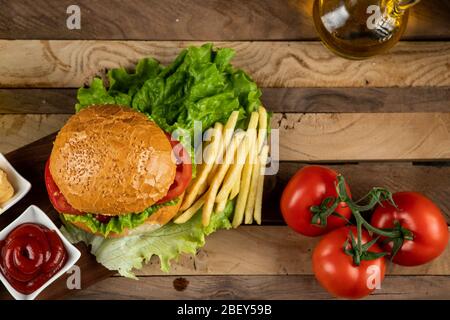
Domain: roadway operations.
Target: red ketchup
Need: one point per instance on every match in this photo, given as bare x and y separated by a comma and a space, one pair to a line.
30, 255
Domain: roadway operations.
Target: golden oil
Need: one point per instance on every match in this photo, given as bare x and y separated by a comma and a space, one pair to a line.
358, 29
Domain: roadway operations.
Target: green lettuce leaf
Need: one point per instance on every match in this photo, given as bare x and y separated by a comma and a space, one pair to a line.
97, 94
168, 242
120, 81
199, 85
118, 223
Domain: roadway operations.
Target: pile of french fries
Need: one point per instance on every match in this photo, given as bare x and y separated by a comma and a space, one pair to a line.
233, 166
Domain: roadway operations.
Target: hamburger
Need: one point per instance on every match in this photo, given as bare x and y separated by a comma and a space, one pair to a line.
118, 179
113, 172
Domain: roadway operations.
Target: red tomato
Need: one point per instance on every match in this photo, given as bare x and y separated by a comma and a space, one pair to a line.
420, 215
183, 174
57, 199
337, 273
309, 187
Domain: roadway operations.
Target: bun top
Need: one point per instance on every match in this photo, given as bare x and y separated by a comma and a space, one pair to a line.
112, 160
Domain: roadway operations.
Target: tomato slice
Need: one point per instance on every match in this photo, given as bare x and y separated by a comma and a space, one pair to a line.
183, 174
102, 218
56, 197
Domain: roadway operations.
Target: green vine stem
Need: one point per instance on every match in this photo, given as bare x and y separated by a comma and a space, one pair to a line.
376, 197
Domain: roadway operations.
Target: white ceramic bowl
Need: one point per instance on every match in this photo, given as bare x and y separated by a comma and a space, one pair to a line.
20, 184
35, 215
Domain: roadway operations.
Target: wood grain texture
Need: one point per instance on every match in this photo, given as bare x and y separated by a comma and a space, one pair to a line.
224, 251
190, 20
417, 99
281, 251
272, 64
363, 136
303, 137
398, 176
411, 99
286, 248
256, 287
297, 76
38, 101
20, 129
429, 15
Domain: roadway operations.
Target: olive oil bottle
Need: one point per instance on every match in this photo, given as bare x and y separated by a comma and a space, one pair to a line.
358, 29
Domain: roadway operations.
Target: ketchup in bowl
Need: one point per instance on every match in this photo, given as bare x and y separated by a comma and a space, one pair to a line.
30, 255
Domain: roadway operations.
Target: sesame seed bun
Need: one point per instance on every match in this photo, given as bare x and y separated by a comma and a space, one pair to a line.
112, 160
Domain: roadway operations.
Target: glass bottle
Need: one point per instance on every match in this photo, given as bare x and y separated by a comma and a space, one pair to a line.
358, 29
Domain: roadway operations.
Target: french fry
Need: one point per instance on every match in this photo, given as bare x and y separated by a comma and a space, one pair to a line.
218, 178
253, 124
212, 173
262, 133
243, 194
234, 170
260, 186
205, 168
237, 184
252, 192
262, 130
220, 206
227, 134
246, 172
203, 189
189, 213
236, 187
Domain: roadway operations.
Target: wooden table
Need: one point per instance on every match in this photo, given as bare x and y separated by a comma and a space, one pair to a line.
383, 121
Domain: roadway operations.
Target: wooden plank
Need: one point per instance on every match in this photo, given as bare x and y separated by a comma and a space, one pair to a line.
281, 251
256, 288
190, 20
429, 180
304, 137
361, 177
363, 136
225, 249
37, 101
20, 129
431, 15
417, 99
397, 176
221, 254
33, 63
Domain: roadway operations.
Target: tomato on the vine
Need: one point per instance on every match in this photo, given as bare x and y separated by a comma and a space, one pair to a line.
307, 188
423, 218
336, 271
